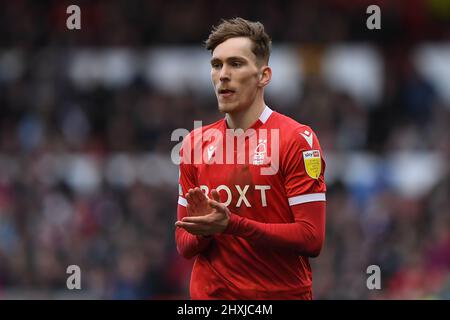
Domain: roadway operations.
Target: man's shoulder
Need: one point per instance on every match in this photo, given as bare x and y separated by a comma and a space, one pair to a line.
195, 137
292, 131
200, 130
287, 123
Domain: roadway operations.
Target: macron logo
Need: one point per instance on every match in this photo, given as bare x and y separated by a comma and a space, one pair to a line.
210, 150
308, 137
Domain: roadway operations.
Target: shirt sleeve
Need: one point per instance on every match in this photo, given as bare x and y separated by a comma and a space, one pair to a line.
304, 236
188, 245
303, 167
186, 175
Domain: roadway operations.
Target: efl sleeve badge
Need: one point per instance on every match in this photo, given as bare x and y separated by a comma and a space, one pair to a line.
313, 163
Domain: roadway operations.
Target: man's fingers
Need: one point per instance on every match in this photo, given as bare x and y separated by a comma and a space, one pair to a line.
198, 195
217, 205
188, 198
193, 228
215, 195
189, 209
196, 220
195, 196
191, 205
185, 224
192, 197
193, 193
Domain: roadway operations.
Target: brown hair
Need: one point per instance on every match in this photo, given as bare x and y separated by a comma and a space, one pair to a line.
239, 27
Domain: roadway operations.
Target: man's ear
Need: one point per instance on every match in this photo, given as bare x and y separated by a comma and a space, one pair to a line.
264, 76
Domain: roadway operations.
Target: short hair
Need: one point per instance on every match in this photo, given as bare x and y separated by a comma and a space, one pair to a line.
239, 27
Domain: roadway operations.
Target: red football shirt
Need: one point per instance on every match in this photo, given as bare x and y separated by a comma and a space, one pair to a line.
271, 178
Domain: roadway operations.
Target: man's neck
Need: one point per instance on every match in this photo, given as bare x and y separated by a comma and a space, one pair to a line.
246, 118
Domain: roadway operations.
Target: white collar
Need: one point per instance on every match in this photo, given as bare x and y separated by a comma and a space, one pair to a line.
265, 114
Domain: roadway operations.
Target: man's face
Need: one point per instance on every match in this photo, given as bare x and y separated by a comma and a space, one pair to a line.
235, 74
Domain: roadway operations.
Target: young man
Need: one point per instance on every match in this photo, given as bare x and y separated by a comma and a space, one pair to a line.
268, 171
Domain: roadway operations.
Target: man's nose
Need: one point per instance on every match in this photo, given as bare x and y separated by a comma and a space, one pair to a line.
224, 74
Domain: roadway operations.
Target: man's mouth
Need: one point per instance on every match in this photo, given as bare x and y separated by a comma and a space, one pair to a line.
226, 92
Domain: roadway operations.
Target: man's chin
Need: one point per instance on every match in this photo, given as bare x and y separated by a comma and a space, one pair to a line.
225, 108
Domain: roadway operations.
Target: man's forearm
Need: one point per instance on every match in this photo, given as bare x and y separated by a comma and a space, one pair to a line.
189, 245
305, 235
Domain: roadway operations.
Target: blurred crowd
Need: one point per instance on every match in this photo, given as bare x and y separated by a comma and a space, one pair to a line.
141, 22
86, 176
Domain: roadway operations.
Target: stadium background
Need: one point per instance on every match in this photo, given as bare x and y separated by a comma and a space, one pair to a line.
86, 119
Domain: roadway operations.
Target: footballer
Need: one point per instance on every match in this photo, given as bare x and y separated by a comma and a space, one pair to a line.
251, 206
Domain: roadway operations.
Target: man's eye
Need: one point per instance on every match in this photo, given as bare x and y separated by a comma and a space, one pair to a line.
236, 64
215, 65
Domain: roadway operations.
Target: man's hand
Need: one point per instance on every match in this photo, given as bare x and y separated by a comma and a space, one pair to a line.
206, 216
197, 203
